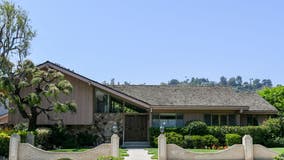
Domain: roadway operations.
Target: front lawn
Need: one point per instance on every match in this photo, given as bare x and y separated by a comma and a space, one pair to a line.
154, 151
122, 152
278, 150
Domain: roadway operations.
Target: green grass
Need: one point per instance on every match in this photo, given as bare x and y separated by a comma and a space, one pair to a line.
70, 150
122, 152
154, 151
278, 150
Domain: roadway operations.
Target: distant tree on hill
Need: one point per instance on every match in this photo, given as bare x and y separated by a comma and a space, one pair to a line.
234, 82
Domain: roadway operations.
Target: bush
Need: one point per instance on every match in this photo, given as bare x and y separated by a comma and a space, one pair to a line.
197, 128
279, 157
196, 141
232, 139
109, 158
155, 132
86, 139
4, 144
175, 138
64, 159
43, 138
256, 132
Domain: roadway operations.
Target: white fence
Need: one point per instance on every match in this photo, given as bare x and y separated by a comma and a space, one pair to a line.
26, 151
245, 151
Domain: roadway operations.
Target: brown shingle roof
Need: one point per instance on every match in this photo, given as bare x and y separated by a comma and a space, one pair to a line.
160, 95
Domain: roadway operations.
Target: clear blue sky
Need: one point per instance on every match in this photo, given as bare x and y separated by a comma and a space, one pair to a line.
153, 41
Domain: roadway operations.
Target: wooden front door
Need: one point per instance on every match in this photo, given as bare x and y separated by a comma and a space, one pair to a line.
136, 127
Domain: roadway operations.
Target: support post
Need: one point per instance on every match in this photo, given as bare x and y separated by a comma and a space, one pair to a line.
162, 147
115, 145
15, 140
30, 138
248, 147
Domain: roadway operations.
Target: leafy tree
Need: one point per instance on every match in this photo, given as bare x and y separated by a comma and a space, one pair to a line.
232, 82
29, 87
223, 81
16, 34
275, 96
267, 83
239, 81
23, 86
173, 82
257, 84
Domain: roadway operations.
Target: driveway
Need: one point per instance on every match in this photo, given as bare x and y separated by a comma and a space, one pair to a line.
137, 154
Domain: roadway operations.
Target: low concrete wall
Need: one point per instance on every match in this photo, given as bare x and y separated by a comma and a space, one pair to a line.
26, 151
234, 152
244, 151
262, 153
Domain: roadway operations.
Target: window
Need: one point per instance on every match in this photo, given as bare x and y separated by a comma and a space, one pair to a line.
207, 119
168, 119
220, 119
232, 120
102, 100
252, 120
223, 120
215, 120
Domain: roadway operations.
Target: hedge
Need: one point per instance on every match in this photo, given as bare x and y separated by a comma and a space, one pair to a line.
4, 144
196, 141
232, 139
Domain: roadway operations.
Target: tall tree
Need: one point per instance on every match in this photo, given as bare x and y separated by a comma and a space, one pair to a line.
33, 91
274, 96
223, 81
23, 86
239, 81
232, 82
16, 34
173, 82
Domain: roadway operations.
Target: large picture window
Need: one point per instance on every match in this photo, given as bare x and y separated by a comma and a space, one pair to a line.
220, 119
105, 103
168, 120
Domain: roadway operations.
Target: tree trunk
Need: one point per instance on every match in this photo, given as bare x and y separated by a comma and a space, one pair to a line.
33, 120
32, 124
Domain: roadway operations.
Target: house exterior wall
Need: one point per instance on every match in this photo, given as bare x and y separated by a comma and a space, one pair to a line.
191, 115
82, 95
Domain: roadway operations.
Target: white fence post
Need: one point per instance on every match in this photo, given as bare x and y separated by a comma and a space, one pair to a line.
248, 147
115, 145
30, 138
15, 140
162, 147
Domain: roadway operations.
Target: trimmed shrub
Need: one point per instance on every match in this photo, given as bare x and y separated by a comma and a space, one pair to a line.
257, 132
4, 144
232, 139
279, 157
86, 139
172, 138
43, 138
155, 132
109, 158
196, 141
197, 128
175, 138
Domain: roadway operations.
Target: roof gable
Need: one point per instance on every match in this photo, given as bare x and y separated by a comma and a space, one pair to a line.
134, 100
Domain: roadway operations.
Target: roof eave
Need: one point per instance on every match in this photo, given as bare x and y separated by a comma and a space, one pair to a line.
198, 107
94, 83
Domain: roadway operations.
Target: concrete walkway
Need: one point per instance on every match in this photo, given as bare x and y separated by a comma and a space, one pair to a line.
137, 154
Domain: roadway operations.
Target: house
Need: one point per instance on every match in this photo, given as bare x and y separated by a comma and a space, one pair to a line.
135, 108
